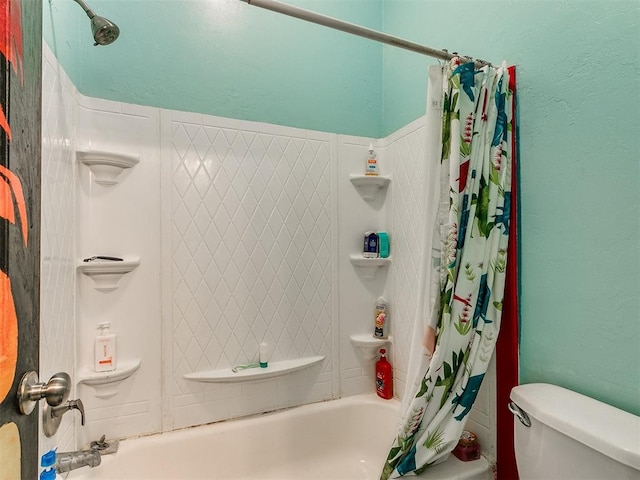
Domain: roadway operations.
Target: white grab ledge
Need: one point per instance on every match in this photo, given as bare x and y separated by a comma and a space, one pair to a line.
275, 369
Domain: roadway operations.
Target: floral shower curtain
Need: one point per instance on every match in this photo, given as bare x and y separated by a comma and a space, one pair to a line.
468, 268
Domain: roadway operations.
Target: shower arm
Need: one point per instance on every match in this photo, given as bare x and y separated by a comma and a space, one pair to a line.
358, 30
90, 13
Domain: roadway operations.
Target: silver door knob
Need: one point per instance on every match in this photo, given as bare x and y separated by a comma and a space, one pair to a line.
55, 391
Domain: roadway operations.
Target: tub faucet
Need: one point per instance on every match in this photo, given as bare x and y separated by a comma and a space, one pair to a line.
67, 461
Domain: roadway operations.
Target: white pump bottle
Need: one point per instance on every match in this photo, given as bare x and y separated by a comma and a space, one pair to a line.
372, 162
105, 349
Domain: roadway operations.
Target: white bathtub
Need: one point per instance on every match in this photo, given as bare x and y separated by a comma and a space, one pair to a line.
346, 439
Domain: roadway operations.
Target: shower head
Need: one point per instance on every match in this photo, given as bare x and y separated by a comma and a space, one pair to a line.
104, 31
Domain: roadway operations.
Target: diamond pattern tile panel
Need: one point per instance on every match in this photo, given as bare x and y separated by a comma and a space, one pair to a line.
408, 156
251, 246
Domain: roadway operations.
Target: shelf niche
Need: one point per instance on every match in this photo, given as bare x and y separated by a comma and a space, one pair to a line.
106, 167
369, 185
106, 384
107, 273
369, 267
369, 345
274, 369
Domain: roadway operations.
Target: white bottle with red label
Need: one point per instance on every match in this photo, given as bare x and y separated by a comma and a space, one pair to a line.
372, 163
105, 349
384, 377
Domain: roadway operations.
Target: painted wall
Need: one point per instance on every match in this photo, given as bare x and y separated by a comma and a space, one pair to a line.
578, 67
226, 58
578, 75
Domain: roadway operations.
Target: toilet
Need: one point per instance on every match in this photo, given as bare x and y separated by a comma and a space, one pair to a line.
563, 435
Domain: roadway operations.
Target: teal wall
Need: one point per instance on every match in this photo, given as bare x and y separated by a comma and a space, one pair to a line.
226, 58
579, 89
578, 75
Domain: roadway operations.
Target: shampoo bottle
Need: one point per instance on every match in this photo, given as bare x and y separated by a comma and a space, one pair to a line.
372, 162
384, 377
105, 349
380, 318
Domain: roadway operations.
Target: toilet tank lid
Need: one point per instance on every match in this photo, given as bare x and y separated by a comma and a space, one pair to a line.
607, 429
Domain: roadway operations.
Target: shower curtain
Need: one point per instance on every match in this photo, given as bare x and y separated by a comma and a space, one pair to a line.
468, 198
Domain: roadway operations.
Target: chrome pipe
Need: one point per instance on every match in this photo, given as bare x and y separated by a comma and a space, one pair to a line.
90, 13
358, 30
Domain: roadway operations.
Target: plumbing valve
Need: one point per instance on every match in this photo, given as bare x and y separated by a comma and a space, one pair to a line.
70, 405
52, 416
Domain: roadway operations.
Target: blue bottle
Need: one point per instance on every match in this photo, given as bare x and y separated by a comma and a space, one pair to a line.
370, 249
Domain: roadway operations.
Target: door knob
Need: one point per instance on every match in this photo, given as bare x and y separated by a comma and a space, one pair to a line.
55, 391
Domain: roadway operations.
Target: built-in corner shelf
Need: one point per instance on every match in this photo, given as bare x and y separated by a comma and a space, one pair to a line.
368, 344
369, 185
106, 166
275, 369
368, 267
106, 384
107, 273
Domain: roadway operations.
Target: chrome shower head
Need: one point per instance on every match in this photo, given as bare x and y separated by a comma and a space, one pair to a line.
104, 31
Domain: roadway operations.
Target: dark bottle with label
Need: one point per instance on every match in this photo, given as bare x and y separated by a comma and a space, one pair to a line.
370, 249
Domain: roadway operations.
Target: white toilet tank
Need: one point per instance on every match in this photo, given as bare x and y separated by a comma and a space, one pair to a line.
573, 436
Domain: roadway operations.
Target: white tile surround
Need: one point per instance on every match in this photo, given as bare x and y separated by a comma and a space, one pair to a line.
244, 231
58, 276
250, 243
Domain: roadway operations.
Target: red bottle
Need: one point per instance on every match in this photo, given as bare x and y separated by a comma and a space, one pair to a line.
384, 377
468, 448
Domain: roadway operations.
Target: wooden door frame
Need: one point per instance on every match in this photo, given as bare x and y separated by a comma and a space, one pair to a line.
20, 162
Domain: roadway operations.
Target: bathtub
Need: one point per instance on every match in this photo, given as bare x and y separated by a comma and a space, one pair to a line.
346, 439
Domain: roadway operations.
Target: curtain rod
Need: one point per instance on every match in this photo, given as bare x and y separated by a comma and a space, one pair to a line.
354, 29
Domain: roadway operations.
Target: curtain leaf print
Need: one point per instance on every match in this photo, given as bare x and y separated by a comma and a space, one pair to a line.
475, 164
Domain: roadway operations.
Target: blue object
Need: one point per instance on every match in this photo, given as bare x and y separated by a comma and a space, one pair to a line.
48, 459
49, 474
